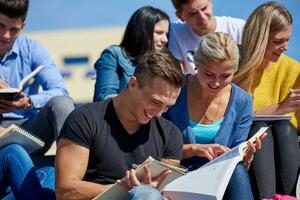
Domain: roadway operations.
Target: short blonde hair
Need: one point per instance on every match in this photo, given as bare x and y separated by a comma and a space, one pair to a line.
217, 47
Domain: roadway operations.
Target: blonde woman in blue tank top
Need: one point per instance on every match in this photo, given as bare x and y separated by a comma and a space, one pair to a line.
215, 114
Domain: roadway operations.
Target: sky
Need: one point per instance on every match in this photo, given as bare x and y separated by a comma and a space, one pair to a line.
49, 15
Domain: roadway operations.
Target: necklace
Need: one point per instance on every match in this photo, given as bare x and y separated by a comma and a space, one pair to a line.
207, 116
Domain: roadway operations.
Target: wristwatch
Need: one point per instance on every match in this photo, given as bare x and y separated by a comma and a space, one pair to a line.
29, 105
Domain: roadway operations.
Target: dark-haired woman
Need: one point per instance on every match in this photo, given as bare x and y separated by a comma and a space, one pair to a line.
146, 30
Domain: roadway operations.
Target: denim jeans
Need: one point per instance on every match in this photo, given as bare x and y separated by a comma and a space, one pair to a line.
144, 192
114, 70
47, 123
19, 178
239, 186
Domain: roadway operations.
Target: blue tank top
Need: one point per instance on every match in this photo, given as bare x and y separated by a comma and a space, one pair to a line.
205, 133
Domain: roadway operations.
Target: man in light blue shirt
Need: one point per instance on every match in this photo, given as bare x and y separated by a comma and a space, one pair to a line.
42, 112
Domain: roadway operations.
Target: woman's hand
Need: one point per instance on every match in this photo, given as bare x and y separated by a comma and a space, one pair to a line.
209, 151
133, 181
252, 148
291, 102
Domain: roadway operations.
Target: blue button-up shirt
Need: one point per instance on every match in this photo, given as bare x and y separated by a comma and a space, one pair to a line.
24, 56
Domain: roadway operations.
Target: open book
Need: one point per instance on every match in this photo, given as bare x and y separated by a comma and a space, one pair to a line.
117, 192
209, 182
17, 135
271, 117
12, 93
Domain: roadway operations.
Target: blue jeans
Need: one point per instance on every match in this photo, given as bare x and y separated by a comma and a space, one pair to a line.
19, 178
239, 186
144, 192
47, 123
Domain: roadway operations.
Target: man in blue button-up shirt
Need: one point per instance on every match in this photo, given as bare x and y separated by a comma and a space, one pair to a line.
42, 113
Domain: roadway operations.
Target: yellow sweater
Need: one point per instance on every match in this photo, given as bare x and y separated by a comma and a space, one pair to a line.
272, 85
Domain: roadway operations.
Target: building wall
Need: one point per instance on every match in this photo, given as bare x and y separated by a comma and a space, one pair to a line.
73, 45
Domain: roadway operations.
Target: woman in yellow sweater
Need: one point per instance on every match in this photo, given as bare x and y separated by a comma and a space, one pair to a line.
274, 81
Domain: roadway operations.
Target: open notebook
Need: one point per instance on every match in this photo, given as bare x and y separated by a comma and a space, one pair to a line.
117, 192
267, 118
12, 93
209, 181
17, 135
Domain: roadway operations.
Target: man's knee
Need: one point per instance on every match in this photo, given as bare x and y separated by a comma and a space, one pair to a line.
15, 152
14, 149
63, 104
144, 192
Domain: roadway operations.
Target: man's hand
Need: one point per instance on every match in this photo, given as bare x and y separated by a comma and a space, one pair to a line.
132, 180
3, 84
210, 151
21, 102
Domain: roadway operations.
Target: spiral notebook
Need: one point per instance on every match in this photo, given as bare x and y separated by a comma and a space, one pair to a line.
117, 192
17, 135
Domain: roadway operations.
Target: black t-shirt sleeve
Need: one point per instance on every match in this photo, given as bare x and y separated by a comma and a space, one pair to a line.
174, 141
79, 127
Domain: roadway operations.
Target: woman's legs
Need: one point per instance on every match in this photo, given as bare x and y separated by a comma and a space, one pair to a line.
262, 170
239, 185
287, 154
275, 167
18, 172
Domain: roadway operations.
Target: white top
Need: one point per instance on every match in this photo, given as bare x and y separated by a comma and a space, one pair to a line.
183, 39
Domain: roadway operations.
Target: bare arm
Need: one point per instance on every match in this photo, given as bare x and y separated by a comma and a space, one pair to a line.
289, 104
71, 165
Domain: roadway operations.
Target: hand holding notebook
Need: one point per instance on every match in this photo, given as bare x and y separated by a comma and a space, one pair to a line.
118, 192
17, 135
133, 179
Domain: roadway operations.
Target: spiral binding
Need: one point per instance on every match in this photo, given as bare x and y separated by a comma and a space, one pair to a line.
165, 163
172, 165
28, 135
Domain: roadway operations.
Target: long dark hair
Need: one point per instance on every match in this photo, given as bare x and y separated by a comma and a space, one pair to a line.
138, 35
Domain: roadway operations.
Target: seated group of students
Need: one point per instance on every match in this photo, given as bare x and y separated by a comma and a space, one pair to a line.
210, 107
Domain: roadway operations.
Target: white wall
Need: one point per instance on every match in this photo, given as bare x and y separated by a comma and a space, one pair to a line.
73, 43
